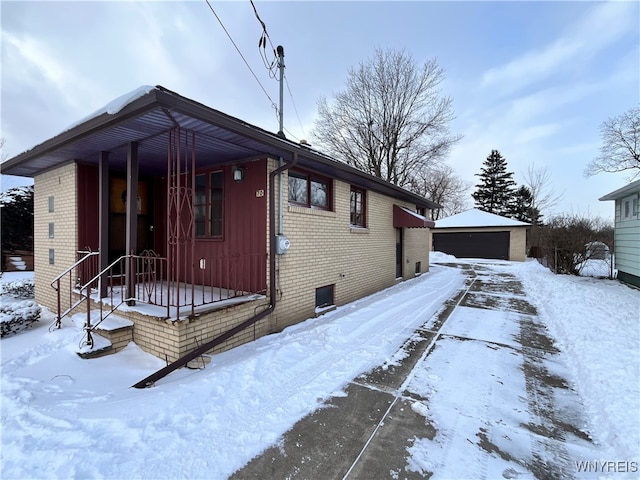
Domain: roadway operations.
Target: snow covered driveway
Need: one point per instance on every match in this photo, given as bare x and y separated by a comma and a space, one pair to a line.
479, 391
495, 390
450, 375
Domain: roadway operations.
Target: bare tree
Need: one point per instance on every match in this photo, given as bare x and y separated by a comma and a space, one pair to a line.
538, 180
567, 241
390, 120
439, 183
620, 149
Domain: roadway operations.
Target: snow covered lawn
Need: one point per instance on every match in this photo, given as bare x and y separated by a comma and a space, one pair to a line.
64, 417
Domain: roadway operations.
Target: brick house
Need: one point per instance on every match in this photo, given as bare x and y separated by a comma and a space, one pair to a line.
168, 214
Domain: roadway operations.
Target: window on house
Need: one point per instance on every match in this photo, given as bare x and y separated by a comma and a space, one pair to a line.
309, 190
358, 207
635, 207
324, 296
51, 230
208, 206
51, 204
421, 211
627, 208
52, 256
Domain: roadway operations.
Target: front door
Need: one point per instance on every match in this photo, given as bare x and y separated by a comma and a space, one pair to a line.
117, 217
399, 253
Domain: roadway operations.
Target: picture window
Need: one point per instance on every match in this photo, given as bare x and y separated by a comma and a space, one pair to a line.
309, 190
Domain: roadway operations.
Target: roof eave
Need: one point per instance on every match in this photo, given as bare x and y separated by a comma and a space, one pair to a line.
160, 97
622, 192
85, 129
202, 112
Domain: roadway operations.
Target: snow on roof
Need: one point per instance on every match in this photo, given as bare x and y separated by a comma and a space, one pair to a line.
478, 218
412, 213
115, 106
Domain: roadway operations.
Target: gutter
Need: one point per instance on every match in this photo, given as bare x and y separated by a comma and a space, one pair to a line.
182, 361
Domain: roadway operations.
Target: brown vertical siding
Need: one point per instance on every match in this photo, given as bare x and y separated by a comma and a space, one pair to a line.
245, 227
88, 204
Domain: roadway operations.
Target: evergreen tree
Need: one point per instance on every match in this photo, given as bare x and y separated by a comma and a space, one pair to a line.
496, 191
16, 209
523, 208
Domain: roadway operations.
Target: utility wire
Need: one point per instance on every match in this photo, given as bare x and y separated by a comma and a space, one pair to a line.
273, 104
295, 109
262, 43
271, 64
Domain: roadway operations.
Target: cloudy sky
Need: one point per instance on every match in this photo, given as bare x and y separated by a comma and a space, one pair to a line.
533, 80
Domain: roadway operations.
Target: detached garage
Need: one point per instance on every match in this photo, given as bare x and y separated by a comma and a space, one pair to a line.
478, 234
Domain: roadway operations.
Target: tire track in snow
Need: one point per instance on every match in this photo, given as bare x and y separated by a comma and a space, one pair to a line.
398, 394
368, 332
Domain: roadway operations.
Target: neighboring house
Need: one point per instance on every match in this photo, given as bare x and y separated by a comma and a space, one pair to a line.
478, 234
204, 231
626, 247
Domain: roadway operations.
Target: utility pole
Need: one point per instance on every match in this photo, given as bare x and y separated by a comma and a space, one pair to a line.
280, 53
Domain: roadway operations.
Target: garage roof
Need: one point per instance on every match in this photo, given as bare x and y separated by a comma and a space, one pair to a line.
147, 114
476, 218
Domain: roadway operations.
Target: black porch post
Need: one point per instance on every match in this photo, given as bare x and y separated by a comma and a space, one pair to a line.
103, 219
132, 219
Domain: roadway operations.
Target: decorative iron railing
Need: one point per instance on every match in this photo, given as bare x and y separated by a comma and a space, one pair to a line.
216, 279
68, 282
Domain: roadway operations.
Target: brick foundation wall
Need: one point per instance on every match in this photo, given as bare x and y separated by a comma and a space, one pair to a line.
171, 340
119, 338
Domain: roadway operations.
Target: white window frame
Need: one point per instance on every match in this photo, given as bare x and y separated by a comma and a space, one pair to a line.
629, 208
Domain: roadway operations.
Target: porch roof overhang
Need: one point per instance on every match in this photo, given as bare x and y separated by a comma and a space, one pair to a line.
405, 218
220, 139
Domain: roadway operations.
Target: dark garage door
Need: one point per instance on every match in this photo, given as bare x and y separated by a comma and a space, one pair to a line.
473, 244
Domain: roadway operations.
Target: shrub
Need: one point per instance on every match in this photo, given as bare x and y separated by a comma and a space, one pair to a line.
565, 241
18, 316
20, 289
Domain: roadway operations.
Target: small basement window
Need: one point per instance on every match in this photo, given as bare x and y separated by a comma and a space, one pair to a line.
324, 297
